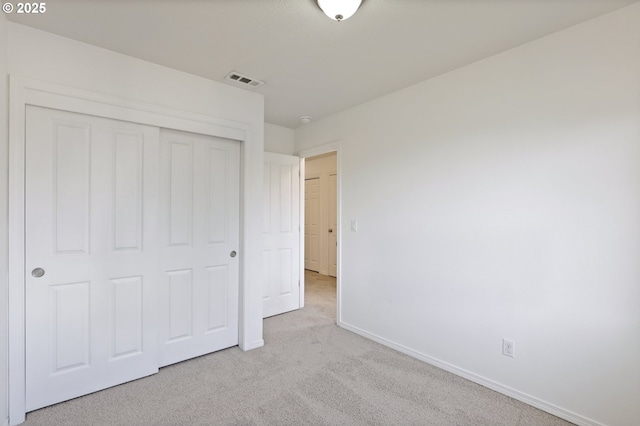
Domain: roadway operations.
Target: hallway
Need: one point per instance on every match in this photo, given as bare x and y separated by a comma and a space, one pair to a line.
320, 292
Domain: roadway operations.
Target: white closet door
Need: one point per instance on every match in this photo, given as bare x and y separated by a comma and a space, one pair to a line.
91, 194
200, 240
281, 230
333, 225
312, 224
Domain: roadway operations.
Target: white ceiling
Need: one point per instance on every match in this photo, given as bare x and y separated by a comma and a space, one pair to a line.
311, 64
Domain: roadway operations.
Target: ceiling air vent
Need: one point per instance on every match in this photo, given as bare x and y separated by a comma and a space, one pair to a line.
243, 79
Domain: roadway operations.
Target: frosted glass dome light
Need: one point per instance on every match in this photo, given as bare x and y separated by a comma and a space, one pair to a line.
339, 10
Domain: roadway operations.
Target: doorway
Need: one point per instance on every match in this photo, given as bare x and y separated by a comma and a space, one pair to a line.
321, 225
320, 221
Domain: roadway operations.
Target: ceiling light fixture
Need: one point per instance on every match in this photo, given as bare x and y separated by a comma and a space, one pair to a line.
339, 10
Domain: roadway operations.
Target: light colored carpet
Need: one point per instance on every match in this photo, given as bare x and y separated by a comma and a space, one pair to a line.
310, 372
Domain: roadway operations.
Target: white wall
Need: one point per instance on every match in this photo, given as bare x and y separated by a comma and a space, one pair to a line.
279, 139
503, 200
43, 56
4, 100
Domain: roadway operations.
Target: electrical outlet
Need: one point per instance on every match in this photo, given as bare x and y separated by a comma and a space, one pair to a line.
508, 348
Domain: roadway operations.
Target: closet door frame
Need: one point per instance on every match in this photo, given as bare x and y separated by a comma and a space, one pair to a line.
23, 92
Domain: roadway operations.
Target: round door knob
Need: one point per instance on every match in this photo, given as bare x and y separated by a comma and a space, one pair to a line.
330, 230
37, 272
233, 253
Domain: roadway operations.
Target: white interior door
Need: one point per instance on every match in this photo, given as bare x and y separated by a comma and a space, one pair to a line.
91, 229
281, 229
312, 224
200, 240
333, 225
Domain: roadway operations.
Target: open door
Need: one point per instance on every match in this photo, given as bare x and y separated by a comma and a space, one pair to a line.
281, 230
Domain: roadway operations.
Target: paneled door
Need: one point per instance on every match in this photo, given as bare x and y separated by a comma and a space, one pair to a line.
91, 254
281, 231
200, 239
312, 224
333, 225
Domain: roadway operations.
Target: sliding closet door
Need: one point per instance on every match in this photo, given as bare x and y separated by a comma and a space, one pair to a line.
200, 240
132, 258
91, 254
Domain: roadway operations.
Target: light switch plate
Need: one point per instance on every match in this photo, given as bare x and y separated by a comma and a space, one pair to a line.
354, 225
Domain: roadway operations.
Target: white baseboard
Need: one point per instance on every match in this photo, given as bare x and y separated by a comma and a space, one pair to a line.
488, 383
